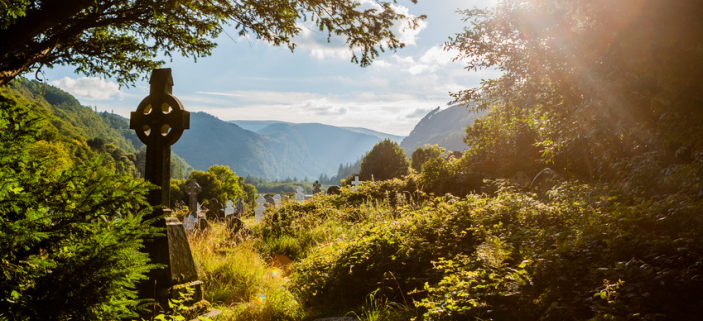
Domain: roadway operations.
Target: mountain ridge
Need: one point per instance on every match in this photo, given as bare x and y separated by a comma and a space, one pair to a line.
445, 127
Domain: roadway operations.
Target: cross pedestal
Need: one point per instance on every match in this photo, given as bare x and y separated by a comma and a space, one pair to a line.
159, 122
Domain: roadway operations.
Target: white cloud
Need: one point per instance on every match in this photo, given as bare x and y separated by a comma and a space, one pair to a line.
320, 107
432, 60
438, 56
90, 88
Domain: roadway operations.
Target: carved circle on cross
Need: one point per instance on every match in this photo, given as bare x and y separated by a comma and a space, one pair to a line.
169, 121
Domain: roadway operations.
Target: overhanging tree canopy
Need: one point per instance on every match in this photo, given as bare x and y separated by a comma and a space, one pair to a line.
601, 81
122, 38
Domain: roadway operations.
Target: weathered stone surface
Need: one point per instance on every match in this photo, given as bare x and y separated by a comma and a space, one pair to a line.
299, 196
239, 210
229, 208
182, 266
192, 189
316, 188
259, 210
215, 210
356, 182
334, 190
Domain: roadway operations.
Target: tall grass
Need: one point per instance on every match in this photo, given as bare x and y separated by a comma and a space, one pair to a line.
239, 281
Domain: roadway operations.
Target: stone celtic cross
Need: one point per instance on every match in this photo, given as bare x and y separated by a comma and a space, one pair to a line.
316, 187
159, 122
192, 189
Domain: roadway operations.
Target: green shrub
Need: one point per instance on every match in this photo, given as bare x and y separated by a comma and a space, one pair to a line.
69, 239
395, 255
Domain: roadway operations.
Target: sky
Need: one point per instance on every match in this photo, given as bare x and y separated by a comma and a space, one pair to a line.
248, 79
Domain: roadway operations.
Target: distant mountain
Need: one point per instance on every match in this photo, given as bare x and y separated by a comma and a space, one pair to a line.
276, 151
381, 136
328, 145
255, 125
258, 125
444, 127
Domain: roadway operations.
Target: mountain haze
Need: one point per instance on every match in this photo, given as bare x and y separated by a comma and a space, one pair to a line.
258, 125
276, 150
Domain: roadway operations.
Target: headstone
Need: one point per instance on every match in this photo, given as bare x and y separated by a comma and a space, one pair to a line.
259, 210
316, 187
239, 210
189, 222
234, 224
520, 179
229, 209
356, 182
334, 190
192, 189
159, 122
215, 210
277, 200
299, 196
199, 209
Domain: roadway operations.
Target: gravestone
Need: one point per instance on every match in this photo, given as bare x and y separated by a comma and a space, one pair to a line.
192, 189
316, 188
356, 182
239, 210
159, 122
259, 210
277, 200
229, 209
334, 190
215, 210
299, 196
520, 179
189, 222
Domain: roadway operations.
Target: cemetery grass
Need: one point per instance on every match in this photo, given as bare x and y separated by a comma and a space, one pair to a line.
239, 281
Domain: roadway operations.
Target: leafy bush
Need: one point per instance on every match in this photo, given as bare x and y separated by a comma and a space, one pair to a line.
70, 238
422, 154
396, 254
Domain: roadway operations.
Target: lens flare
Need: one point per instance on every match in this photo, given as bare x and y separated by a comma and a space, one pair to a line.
260, 299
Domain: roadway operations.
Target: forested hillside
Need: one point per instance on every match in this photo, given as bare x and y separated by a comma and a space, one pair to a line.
75, 133
444, 127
